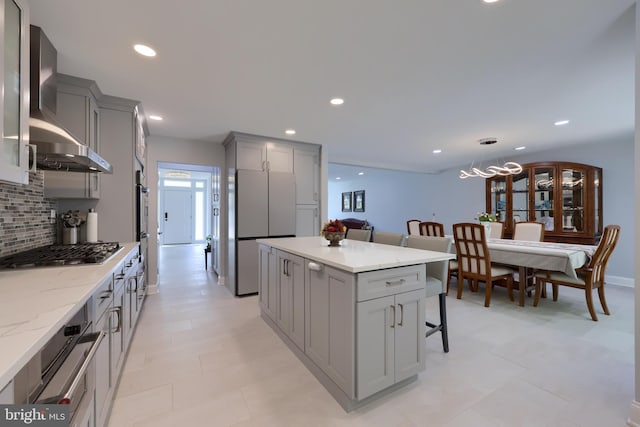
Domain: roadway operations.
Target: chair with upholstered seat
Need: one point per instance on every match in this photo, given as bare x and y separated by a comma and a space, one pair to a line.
590, 277
437, 276
496, 230
474, 262
529, 230
386, 238
357, 234
430, 228
413, 227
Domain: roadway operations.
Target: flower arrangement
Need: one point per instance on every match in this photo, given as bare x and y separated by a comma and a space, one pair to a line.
486, 217
333, 226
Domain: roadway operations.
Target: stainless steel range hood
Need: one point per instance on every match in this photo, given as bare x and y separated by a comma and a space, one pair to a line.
57, 148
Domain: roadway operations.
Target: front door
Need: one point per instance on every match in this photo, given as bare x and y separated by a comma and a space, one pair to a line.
176, 216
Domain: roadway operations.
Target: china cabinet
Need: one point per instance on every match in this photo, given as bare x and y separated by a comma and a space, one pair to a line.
14, 107
565, 197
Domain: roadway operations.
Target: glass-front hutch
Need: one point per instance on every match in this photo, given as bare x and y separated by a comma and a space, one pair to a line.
565, 197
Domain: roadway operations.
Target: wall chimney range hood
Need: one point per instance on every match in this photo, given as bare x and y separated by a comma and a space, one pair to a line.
56, 148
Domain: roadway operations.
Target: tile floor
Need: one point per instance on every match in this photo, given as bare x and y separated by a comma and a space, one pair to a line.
201, 357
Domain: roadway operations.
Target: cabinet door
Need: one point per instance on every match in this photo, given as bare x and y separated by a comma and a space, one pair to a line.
295, 272
520, 196
252, 203
409, 334
285, 291
103, 370
279, 157
14, 107
117, 341
6, 394
573, 199
307, 220
330, 323
282, 204
376, 322
306, 167
544, 197
251, 156
263, 278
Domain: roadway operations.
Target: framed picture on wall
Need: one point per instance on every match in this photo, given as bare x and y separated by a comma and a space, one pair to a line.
346, 201
358, 201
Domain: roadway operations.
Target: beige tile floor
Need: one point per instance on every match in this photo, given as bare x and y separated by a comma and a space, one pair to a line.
201, 357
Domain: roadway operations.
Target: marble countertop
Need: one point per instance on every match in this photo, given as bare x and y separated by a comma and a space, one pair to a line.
35, 303
355, 256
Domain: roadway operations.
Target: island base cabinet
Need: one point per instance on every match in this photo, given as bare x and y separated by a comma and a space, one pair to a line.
290, 307
267, 280
389, 341
329, 324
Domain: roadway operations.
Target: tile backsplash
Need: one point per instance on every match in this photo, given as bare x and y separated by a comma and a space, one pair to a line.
24, 216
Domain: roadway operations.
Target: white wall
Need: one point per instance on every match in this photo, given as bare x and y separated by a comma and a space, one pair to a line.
392, 197
173, 150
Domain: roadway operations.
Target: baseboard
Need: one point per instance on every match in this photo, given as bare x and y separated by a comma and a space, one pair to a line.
152, 289
627, 282
634, 415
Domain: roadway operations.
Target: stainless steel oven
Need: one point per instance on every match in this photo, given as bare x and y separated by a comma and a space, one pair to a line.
63, 371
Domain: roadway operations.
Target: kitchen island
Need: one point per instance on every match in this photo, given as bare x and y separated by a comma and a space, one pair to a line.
353, 314
36, 302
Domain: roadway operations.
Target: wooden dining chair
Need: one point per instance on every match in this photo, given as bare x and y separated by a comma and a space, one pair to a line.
413, 227
437, 276
386, 238
429, 228
474, 261
357, 234
531, 231
590, 277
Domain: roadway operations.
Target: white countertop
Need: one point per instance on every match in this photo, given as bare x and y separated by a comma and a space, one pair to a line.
354, 256
36, 302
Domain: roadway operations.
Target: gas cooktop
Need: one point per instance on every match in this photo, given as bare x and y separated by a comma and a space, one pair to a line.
60, 255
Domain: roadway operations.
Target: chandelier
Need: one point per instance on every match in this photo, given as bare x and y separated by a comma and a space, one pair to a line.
507, 168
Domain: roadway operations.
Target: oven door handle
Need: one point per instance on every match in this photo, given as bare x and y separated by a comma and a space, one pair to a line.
99, 336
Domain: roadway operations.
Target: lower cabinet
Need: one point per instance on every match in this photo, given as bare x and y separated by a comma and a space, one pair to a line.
364, 331
389, 341
330, 323
290, 297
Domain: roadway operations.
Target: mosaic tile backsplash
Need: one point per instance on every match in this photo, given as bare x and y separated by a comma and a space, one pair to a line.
24, 216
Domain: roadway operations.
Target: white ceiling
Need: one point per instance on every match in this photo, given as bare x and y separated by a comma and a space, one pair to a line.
416, 75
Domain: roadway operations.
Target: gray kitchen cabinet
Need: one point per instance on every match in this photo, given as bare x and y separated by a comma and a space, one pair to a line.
117, 338
330, 323
77, 110
306, 165
389, 340
307, 220
290, 297
6, 394
103, 300
258, 154
267, 278
14, 103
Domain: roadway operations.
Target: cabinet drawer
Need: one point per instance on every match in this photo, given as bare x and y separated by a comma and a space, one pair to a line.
380, 283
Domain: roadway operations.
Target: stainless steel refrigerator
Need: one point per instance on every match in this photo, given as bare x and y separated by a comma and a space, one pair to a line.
263, 205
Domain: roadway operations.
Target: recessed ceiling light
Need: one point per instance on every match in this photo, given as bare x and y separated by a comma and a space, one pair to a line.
438, 151
156, 118
144, 50
561, 122
360, 173
290, 132
490, 1
338, 178
337, 101
520, 148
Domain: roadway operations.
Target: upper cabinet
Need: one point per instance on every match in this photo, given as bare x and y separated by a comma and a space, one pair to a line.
14, 108
565, 197
77, 110
263, 155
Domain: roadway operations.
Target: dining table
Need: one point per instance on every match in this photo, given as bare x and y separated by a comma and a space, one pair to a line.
549, 256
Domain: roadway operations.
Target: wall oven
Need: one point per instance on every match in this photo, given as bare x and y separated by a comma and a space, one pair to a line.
63, 371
